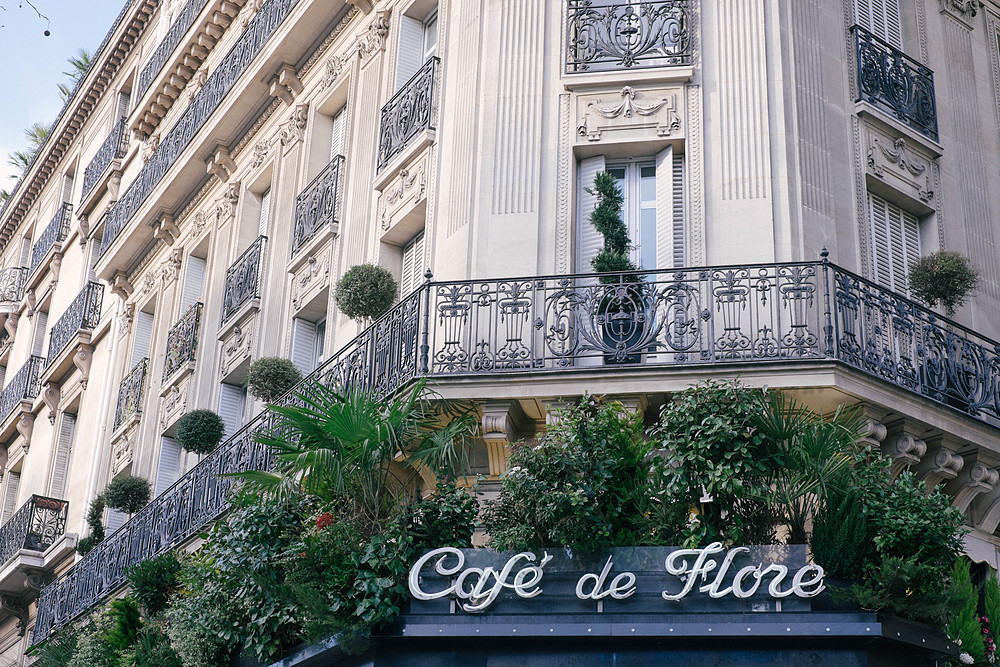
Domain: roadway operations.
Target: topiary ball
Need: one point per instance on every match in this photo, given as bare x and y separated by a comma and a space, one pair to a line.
200, 431
944, 277
366, 290
127, 493
270, 378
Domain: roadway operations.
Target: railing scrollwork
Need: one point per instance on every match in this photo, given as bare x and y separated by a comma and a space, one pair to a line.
23, 386
243, 279
82, 314
56, 231
318, 205
130, 393
410, 111
36, 525
12, 281
182, 342
112, 149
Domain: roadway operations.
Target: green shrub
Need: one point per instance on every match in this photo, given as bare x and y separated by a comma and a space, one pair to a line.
127, 493
964, 623
200, 431
153, 581
153, 649
86, 545
905, 587
95, 518
944, 277
365, 291
58, 649
125, 623
270, 378
842, 537
446, 519
580, 485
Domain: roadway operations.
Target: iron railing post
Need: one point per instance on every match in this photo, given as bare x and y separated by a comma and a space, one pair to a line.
425, 346
828, 314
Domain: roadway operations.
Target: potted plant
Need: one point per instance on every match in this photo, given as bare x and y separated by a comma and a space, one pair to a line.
943, 278
270, 378
620, 311
366, 291
127, 493
200, 431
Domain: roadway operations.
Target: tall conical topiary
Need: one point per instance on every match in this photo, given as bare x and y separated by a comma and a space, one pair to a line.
607, 219
964, 625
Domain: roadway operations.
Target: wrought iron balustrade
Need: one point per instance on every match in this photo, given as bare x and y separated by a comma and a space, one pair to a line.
896, 83
23, 386
410, 111
83, 313
185, 19
36, 525
56, 231
112, 149
318, 205
130, 393
603, 36
12, 281
243, 279
683, 318
202, 107
182, 341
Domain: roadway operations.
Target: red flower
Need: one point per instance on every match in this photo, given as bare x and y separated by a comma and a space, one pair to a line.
324, 520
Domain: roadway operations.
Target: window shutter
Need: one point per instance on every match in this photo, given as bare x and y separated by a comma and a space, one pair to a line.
64, 449
231, 400
116, 519
677, 217
589, 241
3, 375
123, 102
38, 341
265, 213
194, 279
881, 254
10, 495
895, 242
412, 275
665, 208
410, 53
303, 345
881, 18
338, 134
92, 257
25, 251
67, 192
169, 467
142, 339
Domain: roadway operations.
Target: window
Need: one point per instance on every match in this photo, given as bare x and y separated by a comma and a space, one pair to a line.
894, 242
169, 467
338, 134
232, 400
307, 343
412, 275
881, 18
123, 104
141, 338
418, 41
653, 209
64, 450
10, 495
25, 251
194, 281
38, 335
67, 192
265, 213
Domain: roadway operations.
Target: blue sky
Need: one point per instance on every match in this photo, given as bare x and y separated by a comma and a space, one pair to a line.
33, 63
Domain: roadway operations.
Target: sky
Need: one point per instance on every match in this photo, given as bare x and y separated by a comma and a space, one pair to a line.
33, 63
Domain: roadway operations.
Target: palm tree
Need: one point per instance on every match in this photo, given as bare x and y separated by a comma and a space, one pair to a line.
79, 65
363, 453
36, 135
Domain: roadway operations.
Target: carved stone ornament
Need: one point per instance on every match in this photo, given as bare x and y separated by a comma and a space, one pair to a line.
171, 267
294, 129
501, 425
83, 228
332, 70
50, 396
965, 10
196, 82
220, 164
373, 39
892, 161
174, 404
405, 191
26, 426
236, 347
17, 609
122, 451
83, 359
636, 110
11, 324
221, 210
164, 229
260, 152
313, 274
285, 84
128, 317
149, 146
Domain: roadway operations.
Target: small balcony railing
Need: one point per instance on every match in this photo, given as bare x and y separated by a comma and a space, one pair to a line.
603, 36
895, 83
83, 314
410, 111
23, 386
318, 205
36, 525
12, 281
182, 341
112, 149
243, 279
185, 19
130, 393
732, 316
56, 231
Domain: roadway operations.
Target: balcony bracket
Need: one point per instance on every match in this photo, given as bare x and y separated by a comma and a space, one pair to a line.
83, 358
121, 285
31, 299
26, 424
51, 396
974, 480
18, 609
83, 227
11, 324
502, 424
364, 5
165, 229
220, 164
285, 84
943, 463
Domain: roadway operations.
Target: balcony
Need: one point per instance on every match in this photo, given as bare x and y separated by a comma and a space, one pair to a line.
35, 526
185, 19
56, 232
618, 328
82, 315
182, 342
112, 149
22, 387
12, 281
318, 205
410, 111
243, 279
606, 36
130, 393
895, 83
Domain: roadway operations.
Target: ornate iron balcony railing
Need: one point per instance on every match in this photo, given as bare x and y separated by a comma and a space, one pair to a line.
185, 19
202, 107
112, 149
12, 281
56, 231
603, 36
243, 279
24, 385
36, 525
318, 205
182, 341
410, 111
83, 313
130, 393
808, 312
894, 82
